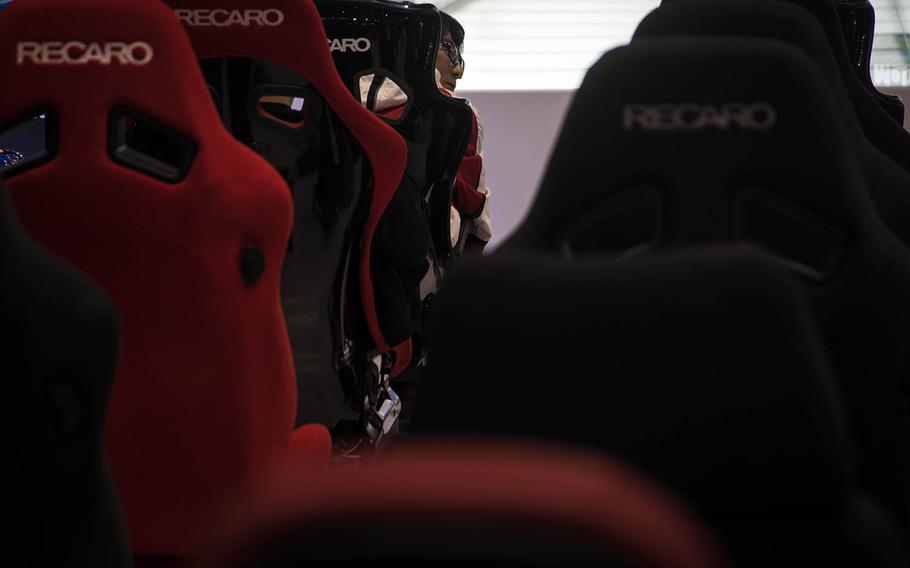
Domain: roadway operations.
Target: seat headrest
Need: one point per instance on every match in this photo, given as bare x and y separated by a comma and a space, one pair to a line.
881, 128
822, 10
94, 56
290, 33
398, 38
458, 504
702, 367
756, 149
800, 23
788, 22
286, 32
785, 21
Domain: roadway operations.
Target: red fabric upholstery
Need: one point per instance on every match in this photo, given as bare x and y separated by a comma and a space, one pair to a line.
511, 489
205, 391
299, 43
311, 445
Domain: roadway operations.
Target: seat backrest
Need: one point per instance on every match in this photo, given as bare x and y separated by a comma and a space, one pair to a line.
59, 344
403, 40
759, 158
887, 180
767, 166
189, 245
884, 133
458, 504
703, 368
288, 44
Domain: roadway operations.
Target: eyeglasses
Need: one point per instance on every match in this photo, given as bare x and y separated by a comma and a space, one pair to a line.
452, 51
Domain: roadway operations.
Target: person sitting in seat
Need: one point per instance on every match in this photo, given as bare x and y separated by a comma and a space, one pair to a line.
470, 220
471, 215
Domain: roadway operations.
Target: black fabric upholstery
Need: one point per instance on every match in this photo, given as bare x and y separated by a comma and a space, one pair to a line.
59, 344
887, 180
793, 191
704, 368
884, 133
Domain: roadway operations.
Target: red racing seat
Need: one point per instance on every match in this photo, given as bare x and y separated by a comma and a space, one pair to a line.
463, 504
188, 242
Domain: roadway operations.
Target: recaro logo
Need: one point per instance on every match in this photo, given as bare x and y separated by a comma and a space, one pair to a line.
82, 53
357, 45
692, 116
221, 18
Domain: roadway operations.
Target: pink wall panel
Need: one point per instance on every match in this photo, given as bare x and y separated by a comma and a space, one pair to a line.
520, 129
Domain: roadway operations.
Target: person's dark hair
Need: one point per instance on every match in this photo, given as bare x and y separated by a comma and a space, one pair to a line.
451, 25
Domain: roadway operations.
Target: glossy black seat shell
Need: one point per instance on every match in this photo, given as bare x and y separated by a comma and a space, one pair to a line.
403, 41
330, 182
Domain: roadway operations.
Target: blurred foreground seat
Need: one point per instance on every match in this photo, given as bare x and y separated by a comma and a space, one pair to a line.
461, 504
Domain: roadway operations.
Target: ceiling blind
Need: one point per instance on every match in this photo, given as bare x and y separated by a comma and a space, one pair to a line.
548, 45
540, 44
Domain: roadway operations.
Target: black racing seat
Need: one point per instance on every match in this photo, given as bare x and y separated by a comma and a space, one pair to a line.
888, 182
702, 368
385, 53
329, 179
857, 20
881, 129
672, 142
279, 92
394, 45
59, 345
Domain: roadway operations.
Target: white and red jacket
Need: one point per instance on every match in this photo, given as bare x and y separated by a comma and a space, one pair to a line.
470, 196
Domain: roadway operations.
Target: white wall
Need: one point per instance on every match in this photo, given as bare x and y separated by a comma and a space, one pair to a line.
520, 129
